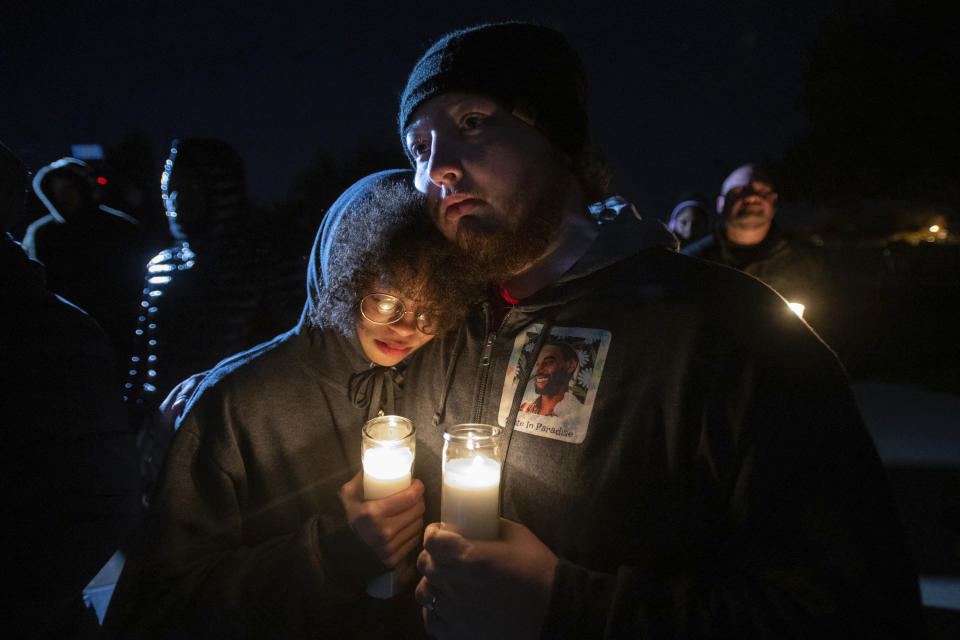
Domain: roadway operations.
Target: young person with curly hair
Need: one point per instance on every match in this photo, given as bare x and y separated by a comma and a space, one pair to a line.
258, 526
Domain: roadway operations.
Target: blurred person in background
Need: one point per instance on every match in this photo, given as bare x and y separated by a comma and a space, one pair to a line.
93, 253
219, 289
70, 486
748, 239
690, 220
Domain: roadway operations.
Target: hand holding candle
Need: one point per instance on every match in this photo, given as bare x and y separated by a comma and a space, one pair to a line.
387, 453
485, 588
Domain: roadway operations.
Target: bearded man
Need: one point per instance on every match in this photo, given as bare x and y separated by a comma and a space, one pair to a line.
719, 481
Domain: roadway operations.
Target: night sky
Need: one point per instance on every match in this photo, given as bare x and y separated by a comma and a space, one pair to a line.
680, 91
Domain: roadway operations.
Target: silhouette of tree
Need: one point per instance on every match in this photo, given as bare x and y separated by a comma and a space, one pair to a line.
881, 94
315, 188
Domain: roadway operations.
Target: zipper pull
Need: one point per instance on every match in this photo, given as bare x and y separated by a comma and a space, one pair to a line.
488, 349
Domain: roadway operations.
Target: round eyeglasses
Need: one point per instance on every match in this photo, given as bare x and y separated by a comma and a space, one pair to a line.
382, 308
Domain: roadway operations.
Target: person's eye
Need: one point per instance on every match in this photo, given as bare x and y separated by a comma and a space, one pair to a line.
417, 145
472, 121
418, 149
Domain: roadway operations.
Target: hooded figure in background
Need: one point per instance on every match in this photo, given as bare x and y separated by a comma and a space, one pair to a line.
257, 527
68, 475
93, 253
220, 289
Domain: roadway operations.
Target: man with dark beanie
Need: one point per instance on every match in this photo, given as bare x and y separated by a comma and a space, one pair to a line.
718, 482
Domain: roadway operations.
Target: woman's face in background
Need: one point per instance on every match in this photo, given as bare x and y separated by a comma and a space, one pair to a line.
388, 344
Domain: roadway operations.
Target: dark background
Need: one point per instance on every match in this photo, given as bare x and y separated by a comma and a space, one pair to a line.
680, 91
853, 104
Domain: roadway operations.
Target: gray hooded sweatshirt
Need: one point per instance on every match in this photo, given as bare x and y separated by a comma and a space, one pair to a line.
246, 536
706, 473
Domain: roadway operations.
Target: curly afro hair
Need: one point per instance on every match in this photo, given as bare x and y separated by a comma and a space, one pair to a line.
385, 240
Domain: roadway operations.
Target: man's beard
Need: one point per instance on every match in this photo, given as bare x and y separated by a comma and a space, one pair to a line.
505, 244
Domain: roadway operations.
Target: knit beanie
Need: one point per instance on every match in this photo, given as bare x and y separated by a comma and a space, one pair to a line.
528, 69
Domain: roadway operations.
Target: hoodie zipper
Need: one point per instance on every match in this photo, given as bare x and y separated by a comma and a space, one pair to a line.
484, 374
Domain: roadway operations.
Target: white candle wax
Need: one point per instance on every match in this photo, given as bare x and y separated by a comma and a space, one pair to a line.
386, 470
470, 503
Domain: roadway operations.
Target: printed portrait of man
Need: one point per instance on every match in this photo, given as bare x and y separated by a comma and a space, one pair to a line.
556, 365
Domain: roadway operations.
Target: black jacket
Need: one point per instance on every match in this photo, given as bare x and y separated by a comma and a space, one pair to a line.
713, 478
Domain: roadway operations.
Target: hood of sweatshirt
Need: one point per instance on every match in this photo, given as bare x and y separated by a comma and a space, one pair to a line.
370, 385
625, 233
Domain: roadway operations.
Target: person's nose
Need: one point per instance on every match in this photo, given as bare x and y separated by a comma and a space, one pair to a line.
405, 326
445, 168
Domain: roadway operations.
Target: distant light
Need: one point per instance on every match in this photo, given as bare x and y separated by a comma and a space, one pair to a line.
797, 308
87, 151
934, 228
101, 180
160, 268
158, 279
149, 387
155, 293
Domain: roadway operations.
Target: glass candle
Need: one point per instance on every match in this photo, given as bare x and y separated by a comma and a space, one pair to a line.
387, 449
470, 502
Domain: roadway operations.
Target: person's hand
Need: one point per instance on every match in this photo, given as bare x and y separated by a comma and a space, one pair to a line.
172, 406
484, 589
390, 526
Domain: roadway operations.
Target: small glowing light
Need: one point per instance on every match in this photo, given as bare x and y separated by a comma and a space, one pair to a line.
135, 359
133, 372
152, 343
160, 268
149, 387
151, 373
152, 325
155, 293
934, 228
797, 308
158, 279
129, 385
163, 256
144, 304
139, 332
151, 309
101, 180
151, 358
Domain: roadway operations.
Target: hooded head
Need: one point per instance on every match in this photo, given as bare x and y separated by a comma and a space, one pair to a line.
203, 189
68, 189
377, 239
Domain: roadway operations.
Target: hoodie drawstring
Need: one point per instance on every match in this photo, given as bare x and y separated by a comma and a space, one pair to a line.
368, 388
448, 375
